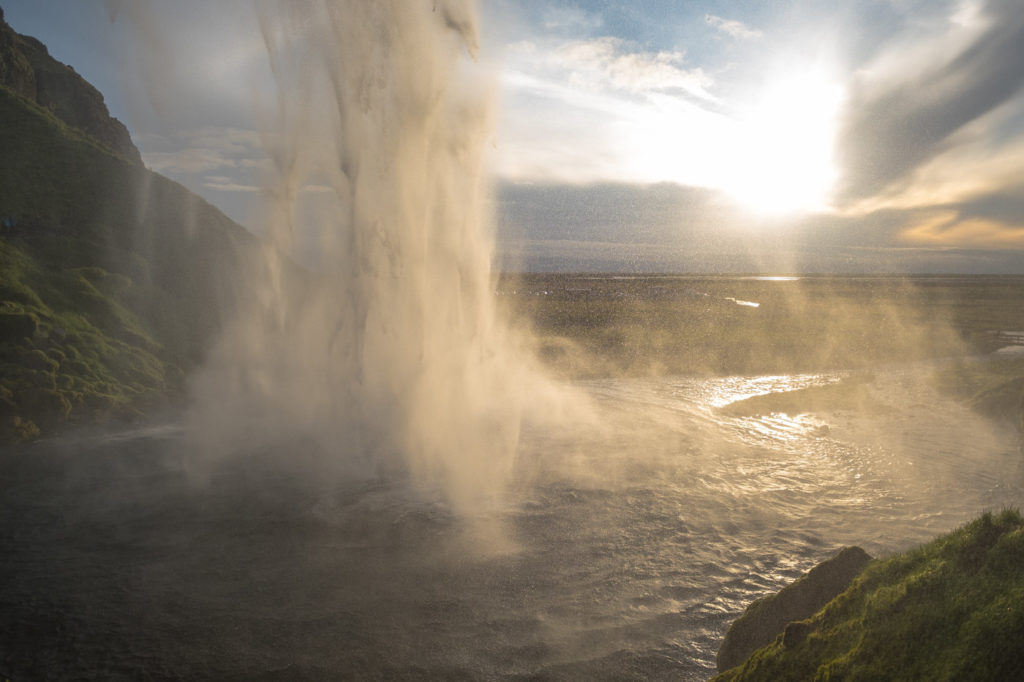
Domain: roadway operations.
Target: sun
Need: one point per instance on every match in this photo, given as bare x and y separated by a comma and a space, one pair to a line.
782, 158
770, 152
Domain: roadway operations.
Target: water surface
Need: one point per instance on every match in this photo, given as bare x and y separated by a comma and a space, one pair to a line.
623, 551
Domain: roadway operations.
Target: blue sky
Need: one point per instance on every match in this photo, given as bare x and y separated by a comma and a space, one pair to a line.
797, 135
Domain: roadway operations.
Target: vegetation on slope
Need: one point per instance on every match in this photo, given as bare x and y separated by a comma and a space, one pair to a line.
113, 279
68, 351
952, 609
769, 616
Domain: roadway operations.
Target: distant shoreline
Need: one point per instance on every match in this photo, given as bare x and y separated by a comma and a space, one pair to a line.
761, 277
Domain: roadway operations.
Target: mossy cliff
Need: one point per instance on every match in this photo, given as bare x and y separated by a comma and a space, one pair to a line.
952, 609
113, 279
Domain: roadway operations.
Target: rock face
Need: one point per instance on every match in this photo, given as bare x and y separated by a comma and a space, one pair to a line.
114, 280
767, 618
27, 68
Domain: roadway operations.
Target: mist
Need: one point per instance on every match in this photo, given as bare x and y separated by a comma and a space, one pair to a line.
373, 340
402, 454
387, 354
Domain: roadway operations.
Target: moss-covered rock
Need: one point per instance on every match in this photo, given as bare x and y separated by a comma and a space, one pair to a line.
952, 609
767, 618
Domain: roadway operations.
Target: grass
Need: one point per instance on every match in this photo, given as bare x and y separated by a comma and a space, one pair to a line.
69, 352
952, 609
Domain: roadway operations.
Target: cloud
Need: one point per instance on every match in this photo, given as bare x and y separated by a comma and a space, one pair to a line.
899, 118
224, 164
609, 63
734, 29
220, 183
935, 140
594, 110
950, 228
617, 226
187, 161
202, 150
318, 189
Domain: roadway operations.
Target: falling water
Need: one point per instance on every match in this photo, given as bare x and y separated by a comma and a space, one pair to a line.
637, 540
391, 353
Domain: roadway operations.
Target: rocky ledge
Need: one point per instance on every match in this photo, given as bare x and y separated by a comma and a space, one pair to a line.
775, 615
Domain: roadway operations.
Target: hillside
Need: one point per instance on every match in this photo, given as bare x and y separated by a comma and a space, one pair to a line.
952, 609
113, 279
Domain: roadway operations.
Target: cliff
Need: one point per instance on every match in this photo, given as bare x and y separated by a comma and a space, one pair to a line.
27, 69
113, 279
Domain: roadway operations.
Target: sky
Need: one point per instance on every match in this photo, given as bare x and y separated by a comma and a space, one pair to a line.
865, 136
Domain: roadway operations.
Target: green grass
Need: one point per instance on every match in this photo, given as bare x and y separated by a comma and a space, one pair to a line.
69, 350
952, 609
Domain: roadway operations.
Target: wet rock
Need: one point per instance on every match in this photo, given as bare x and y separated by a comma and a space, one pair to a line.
767, 618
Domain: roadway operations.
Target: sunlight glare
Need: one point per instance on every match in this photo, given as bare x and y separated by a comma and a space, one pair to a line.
772, 156
783, 160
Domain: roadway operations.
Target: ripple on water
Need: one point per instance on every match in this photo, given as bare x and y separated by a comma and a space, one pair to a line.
629, 549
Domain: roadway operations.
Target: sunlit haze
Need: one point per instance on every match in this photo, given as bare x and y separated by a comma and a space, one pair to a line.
511, 339
804, 137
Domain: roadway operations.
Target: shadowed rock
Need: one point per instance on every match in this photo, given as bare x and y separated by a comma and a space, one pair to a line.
767, 618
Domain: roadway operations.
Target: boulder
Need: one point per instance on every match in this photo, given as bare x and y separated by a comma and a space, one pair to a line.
767, 618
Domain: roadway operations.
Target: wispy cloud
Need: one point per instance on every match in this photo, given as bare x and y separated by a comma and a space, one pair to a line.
212, 158
610, 63
202, 150
600, 109
951, 228
933, 132
187, 161
900, 117
223, 183
732, 28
